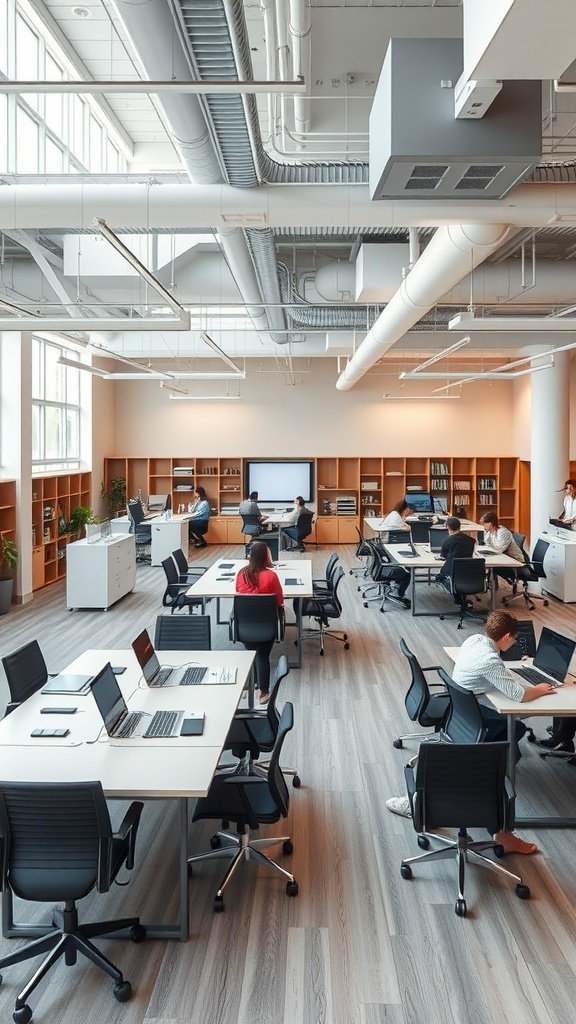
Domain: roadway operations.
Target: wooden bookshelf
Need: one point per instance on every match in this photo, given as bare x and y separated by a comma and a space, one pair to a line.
53, 498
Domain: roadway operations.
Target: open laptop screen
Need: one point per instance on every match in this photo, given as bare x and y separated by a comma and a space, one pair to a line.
108, 697
146, 655
554, 654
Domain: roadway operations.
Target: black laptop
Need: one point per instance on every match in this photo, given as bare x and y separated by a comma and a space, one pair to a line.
121, 723
551, 661
165, 675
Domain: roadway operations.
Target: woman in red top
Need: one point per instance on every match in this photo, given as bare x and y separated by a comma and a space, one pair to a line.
258, 578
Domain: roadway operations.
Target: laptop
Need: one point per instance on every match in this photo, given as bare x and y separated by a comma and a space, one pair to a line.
64, 683
413, 552
157, 675
551, 661
437, 538
123, 724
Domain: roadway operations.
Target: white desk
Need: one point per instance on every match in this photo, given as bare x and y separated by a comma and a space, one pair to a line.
178, 768
167, 534
377, 525
426, 560
561, 703
219, 581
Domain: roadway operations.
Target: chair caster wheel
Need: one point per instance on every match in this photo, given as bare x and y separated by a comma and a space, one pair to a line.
23, 1015
321, 653
287, 848
441, 618
218, 904
215, 842
522, 892
406, 871
346, 647
365, 604
461, 908
545, 603
296, 782
423, 842
123, 991
344, 636
398, 744
291, 888
499, 850
137, 934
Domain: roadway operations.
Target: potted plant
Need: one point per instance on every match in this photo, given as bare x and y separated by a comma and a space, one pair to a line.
79, 518
115, 496
8, 562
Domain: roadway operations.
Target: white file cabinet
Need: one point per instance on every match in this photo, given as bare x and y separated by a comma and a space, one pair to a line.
99, 574
560, 567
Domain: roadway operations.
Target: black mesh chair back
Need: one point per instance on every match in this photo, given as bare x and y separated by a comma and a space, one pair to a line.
250, 525
362, 549
422, 707
531, 572
254, 619
469, 575
304, 525
326, 584
325, 607
185, 570
58, 845
461, 786
537, 560
175, 596
463, 722
182, 633
26, 673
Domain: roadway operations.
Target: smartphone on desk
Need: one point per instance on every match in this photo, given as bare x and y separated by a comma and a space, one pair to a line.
58, 711
57, 733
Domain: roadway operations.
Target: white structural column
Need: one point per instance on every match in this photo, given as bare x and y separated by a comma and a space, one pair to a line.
550, 441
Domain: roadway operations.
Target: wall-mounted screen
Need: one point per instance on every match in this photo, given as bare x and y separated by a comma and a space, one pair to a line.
278, 483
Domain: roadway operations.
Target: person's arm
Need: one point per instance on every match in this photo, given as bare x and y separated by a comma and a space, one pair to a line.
540, 690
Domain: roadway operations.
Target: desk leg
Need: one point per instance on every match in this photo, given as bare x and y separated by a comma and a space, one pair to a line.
492, 591
413, 589
560, 821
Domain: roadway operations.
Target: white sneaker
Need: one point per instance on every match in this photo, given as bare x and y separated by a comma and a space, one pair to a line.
399, 805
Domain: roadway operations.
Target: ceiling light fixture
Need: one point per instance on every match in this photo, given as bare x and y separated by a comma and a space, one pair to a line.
469, 322
205, 398
441, 355
494, 376
205, 337
173, 388
95, 370
416, 398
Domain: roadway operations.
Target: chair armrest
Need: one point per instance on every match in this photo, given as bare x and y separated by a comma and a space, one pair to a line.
232, 628
128, 829
281, 625
430, 668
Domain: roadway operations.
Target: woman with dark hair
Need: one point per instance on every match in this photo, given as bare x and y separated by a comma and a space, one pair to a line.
200, 515
259, 578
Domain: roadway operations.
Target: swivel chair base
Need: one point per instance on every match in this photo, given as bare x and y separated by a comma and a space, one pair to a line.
241, 848
322, 633
526, 596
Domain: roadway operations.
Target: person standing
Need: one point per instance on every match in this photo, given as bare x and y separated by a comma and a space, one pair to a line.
258, 577
568, 513
200, 515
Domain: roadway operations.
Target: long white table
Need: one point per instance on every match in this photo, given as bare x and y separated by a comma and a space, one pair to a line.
219, 581
177, 768
426, 560
560, 703
377, 524
167, 534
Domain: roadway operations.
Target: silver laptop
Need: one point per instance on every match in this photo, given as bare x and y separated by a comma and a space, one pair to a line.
121, 723
163, 675
551, 661
412, 552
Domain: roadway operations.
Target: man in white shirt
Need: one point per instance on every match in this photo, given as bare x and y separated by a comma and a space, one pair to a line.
568, 513
499, 539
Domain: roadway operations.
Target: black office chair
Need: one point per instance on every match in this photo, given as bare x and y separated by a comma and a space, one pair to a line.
187, 571
142, 531
254, 619
304, 529
58, 844
248, 801
260, 729
384, 573
468, 577
463, 722
175, 597
362, 551
251, 528
323, 609
428, 709
524, 645
26, 673
461, 786
531, 572
325, 584
182, 633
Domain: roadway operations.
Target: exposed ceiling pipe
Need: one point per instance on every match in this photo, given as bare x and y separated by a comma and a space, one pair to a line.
451, 252
300, 30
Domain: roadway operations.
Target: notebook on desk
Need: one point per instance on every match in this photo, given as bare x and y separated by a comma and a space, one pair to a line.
551, 661
121, 723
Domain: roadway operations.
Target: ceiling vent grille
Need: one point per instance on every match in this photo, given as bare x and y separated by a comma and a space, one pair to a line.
478, 176
426, 177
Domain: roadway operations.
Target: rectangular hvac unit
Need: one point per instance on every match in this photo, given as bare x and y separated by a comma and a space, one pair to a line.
420, 150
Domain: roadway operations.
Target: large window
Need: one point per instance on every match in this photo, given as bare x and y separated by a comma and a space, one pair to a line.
55, 408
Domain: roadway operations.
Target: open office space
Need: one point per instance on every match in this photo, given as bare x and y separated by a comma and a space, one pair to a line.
352, 269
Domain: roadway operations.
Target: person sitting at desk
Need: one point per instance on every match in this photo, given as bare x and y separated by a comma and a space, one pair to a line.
200, 515
249, 507
396, 519
568, 513
456, 545
291, 530
500, 540
259, 578
479, 668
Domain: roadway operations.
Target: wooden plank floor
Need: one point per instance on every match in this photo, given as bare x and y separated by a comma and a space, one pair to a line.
359, 945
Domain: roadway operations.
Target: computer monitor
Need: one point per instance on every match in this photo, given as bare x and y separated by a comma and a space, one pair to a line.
419, 501
158, 502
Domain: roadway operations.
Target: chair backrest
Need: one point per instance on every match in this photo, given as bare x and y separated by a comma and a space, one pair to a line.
520, 539
332, 606
397, 536
331, 568
254, 618
525, 643
418, 693
276, 780
462, 786
272, 713
181, 561
362, 548
182, 633
172, 574
250, 525
469, 575
135, 512
57, 839
464, 720
304, 524
26, 672
537, 560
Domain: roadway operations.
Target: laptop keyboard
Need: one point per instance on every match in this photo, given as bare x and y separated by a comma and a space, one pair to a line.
161, 676
531, 675
193, 675
162, 723
129, 724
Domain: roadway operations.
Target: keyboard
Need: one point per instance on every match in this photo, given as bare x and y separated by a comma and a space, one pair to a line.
485, 551
193, 675
532, 675
130, 723
162, 724
161, 676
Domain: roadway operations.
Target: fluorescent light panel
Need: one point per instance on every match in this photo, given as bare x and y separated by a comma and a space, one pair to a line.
95, 370
417, 398
542, 325
205, 398
445, 353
